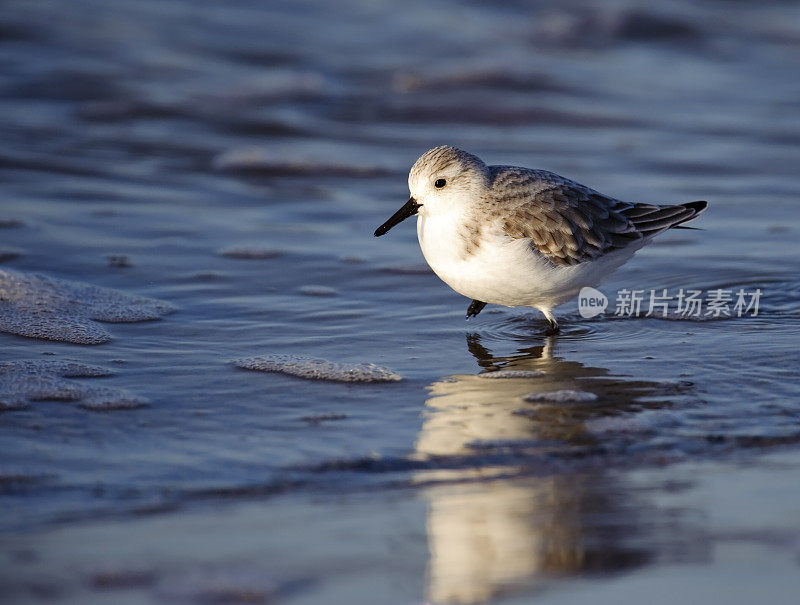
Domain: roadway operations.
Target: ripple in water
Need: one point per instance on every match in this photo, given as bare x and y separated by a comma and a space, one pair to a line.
9, 253
318, 369
249, 252
224, 585
644, 422
500, 374
264, 162
23, 382
562, 396
38, 306
314, 290
406, 269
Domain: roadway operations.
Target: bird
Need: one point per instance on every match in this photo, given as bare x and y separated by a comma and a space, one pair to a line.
514, 236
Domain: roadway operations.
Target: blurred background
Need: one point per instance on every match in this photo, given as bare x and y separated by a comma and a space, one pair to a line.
232, 159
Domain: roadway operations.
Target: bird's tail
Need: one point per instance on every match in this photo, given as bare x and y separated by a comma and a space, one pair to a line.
698, 207
650, 219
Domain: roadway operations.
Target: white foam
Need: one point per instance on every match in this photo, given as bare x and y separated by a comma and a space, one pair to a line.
106, 399
38, 306
318, 369
23, 382
562, 396
642, 422
499, 374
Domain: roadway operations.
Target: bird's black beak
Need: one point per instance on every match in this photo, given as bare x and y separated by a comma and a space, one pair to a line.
409, 209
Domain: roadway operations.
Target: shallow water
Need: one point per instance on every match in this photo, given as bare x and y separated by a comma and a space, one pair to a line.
223, 168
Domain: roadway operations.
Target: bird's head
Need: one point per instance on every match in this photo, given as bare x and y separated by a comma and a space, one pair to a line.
440, 180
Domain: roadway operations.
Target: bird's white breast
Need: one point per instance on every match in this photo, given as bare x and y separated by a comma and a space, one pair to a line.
497, 270
502, 270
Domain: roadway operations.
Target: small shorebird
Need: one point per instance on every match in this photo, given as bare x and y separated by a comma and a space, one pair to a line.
520, 237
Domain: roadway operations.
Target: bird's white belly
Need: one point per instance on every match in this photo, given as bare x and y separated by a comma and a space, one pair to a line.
505, 271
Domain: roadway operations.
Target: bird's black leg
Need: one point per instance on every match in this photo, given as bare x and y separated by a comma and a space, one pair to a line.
475, 307
552, 327
552, 324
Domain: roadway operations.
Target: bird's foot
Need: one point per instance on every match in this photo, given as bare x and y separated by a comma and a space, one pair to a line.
552, 324
475, 307
552, 328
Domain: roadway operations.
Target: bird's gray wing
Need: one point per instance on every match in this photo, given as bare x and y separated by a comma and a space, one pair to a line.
569, 223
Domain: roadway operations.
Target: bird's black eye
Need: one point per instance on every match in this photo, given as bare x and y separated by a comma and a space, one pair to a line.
440, 183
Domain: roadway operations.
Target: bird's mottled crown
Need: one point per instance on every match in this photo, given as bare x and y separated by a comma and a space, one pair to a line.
445, 158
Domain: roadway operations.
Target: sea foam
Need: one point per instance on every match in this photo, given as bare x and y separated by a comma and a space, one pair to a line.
38, 306
562, 396
318, 369
504, 374
23, 382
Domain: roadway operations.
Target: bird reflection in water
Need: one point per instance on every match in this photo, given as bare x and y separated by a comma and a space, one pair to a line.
509, 506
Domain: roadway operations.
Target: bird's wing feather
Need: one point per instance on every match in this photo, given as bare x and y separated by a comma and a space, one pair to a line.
569, 223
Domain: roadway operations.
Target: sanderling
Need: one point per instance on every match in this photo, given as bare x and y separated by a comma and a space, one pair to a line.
520, 237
